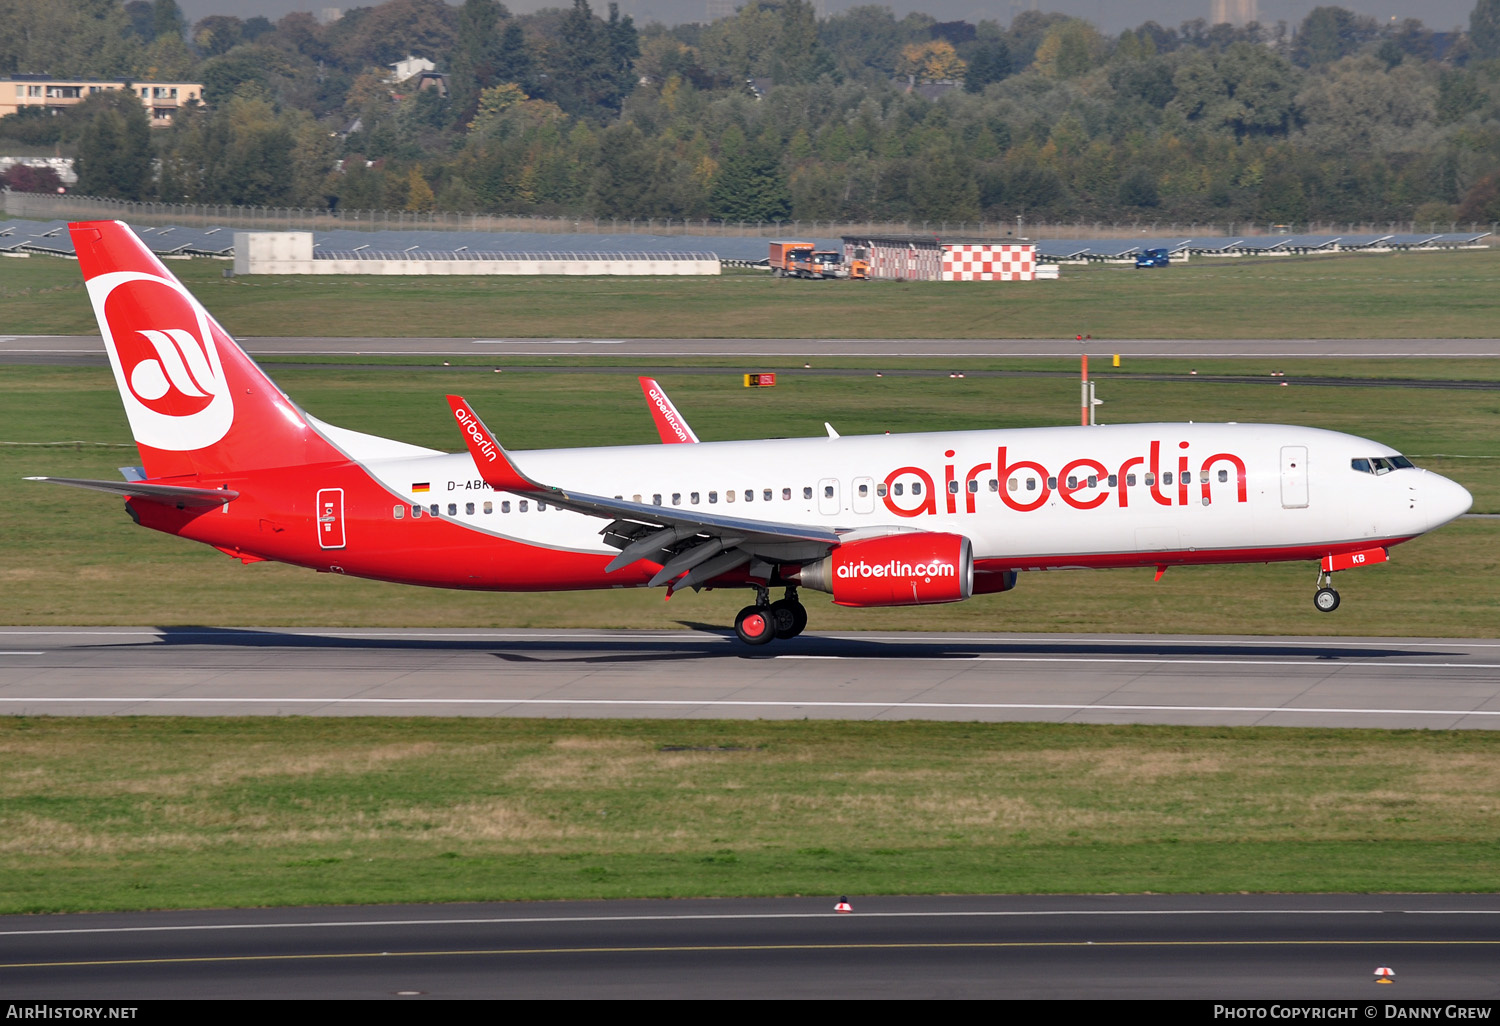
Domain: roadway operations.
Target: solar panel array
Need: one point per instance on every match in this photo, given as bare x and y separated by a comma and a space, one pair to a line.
177, 240
1226, 245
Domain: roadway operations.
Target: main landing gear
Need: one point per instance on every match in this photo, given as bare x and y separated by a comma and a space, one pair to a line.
760, 623
1325, 599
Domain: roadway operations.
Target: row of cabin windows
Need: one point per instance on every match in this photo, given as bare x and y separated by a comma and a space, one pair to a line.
1014, 484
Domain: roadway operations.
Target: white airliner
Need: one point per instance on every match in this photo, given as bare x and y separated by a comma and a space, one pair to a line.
883, 520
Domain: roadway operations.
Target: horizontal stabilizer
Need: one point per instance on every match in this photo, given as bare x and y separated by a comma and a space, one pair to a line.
176, 495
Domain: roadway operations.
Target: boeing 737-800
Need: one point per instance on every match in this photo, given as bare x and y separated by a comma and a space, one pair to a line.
885, 520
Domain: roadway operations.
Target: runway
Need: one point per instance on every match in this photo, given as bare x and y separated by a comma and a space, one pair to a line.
1228, 681
89, 348
1206, 948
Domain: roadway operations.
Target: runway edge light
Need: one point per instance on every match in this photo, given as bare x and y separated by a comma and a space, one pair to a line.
844, 906
1385, 975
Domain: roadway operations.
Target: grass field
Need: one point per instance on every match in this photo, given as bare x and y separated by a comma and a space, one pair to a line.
160, 813
1428, 295
71, 557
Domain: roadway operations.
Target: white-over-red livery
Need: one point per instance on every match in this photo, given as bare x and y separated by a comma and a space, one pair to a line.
883, 520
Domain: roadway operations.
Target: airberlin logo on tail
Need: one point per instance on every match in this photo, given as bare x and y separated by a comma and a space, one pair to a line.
668, 414
161, 347
482, 444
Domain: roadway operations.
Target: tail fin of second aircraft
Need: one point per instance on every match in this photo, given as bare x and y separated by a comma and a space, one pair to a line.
197, 404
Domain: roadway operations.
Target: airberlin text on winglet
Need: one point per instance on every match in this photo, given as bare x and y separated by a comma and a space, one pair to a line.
483, 446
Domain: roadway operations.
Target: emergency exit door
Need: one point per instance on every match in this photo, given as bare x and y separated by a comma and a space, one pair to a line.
331, 518
1293, 477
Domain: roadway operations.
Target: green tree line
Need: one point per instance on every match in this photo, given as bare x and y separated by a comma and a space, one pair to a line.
772, 113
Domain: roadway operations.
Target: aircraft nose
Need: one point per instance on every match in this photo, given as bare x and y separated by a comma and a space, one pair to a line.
1443, 499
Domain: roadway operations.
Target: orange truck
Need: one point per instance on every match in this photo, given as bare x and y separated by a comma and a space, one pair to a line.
802, 260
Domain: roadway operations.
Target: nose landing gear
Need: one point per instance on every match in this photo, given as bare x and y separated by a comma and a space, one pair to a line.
1325, 599
758, 624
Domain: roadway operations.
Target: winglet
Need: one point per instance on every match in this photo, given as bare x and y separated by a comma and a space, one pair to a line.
490, 457
669, 423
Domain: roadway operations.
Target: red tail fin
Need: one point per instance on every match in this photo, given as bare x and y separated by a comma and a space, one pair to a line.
196, 403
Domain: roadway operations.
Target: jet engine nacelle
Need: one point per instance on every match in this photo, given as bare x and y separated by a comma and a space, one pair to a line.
908, 569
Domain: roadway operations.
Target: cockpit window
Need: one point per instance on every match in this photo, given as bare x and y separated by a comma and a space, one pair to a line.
1378, 465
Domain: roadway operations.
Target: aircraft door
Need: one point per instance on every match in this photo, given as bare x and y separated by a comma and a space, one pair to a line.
828, 497
1294, 477
863, 495
331, 518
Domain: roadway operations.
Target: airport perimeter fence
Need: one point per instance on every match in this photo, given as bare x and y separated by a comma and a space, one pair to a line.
46, 207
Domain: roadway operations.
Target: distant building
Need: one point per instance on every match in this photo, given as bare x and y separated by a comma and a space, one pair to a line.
409, 68
1238, 13
934, 258
161, 99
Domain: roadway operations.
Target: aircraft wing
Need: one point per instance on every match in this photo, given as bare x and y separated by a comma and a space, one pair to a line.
691, 546
181, 496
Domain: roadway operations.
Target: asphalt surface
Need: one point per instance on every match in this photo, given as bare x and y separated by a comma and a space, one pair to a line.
89, 348
1210, 948
706, 673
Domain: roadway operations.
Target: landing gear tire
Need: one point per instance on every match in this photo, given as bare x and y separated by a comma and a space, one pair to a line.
1326, 600
789, 617
755, 625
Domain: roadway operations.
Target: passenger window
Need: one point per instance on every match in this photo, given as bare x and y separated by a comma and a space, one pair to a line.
433, 509
489, 507
807, 493
916, 488
1031, 484
994, 484
1113, 480
453, 509
1130, 480
952, 487
864, 491
1012, 484
1051, 482
541, 507
828, 491
468, 509
416, 511
677, 498
881, 490
1072, 481
656, 499
749, 494
766, 495
635, 498
693, 498
786, 495
522, 506
729, 495
504, 505
398, 512
1223, 476
1093, 480
1187, 477
1150, 479
899, 487
713, 497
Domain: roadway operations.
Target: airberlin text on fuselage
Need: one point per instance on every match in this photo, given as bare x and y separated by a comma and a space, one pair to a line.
1081, 483
475, 430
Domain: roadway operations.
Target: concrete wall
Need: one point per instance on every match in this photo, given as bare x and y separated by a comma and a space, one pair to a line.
292, 253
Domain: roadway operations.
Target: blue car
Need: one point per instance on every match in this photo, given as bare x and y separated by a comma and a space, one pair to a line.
1153, 258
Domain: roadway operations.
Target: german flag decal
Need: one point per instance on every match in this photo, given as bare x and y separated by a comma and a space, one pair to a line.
421, 486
